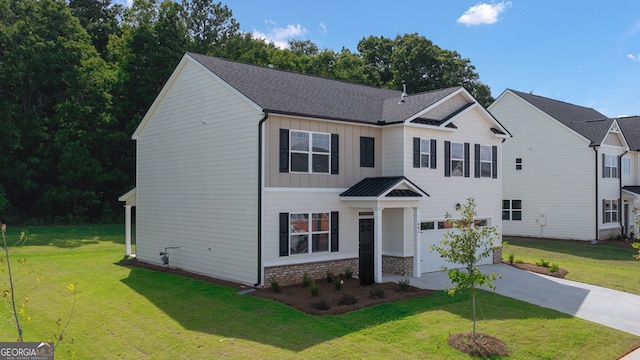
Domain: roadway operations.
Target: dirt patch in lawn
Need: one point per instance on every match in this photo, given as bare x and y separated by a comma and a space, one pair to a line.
482, 346
300, 297
561, 273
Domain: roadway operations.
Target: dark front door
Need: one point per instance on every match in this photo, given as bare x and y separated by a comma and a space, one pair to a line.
366, 251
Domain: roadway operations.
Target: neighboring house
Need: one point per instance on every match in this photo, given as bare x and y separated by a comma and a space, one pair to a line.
258, 174
568, 172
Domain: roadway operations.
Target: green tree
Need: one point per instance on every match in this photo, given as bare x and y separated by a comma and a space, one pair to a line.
99, 18
467, 245
209, 25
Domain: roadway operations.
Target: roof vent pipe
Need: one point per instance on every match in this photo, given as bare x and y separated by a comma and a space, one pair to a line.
404, 93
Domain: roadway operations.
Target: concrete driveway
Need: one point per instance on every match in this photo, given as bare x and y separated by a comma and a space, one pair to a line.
612, 308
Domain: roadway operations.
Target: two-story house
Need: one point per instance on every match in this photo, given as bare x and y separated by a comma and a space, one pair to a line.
249, 173
565, 170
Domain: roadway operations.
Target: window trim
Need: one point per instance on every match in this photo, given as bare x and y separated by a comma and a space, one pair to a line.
610, 166
286, 232
510, 210
610, 215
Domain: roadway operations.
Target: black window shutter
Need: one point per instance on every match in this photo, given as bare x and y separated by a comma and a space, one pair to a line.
416, 152
447, 158
334, 154
367, 151
603, 165
363, 151
494, 162
284, 234
284, 150
466, 160
334, 231
433, 153
604, 211
476, 156
618, 166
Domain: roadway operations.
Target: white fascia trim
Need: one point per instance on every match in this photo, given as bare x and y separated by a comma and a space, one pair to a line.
309, 190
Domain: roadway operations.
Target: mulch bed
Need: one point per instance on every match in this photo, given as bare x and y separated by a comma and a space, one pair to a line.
484, 345
299, 297
561, 273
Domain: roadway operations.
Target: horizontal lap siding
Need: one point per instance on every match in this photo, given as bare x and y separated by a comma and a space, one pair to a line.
197, 182
446, 192
557, 174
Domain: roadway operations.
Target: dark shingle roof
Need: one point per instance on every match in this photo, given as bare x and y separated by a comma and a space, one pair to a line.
585, 121
630, 127
633, 189
376, 186
292, 93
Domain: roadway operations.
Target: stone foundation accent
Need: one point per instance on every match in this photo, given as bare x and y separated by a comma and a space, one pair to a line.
397, 265
497, 256
292, 274
606, 234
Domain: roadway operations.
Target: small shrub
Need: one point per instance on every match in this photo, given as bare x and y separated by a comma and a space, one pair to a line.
554, 268
511, 258
306, 279
347, 299
376, 292
404, 285
275, 285
542, 263
338, 284
330, 277
314, 289
323, 304
519, 261
348, 272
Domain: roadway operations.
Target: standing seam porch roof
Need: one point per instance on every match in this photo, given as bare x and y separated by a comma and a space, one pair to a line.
284, 92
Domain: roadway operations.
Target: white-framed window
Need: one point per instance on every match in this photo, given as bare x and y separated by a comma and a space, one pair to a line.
309, 233
610, 211
512, 210
310, 152
626, 166
486, 160
457, 159
425, 153
610, 166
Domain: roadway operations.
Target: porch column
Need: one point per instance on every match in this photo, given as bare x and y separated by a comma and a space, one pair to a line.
127, 230
377, 245
417, 252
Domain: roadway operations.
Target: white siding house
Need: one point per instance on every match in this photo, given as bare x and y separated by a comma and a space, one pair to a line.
561, 171
248, 173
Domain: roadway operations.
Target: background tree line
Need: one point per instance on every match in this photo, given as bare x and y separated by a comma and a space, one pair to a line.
77, 77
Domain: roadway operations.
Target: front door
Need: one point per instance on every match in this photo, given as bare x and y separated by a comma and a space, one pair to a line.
366, 251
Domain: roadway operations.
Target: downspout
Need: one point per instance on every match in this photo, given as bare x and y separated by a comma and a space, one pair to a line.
266, 115
595, 148
620, 204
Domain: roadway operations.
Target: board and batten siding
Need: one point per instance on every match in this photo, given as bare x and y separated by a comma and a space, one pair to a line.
197, 179
349, 172
557, 177
446, 192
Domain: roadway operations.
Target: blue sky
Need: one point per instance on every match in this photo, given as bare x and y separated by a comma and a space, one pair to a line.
583, 52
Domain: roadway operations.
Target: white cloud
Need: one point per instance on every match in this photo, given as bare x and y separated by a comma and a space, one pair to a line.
323, 26
634, 57
280, 36
483, 13
126, 3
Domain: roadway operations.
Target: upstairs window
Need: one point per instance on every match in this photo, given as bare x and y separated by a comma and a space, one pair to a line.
424, 153
518, 163
308, 152
456, 159
486, 161
609, 166
626, 166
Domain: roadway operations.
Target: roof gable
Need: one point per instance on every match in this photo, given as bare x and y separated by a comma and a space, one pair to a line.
630, 127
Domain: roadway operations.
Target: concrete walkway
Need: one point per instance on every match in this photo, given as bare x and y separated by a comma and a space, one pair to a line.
612, 308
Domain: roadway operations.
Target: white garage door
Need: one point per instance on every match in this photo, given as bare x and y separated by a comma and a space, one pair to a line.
431, 233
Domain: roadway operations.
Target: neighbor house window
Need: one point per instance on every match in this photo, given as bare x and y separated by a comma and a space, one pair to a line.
610, 211
427, 225
457, 159
512, 210
610, 168
626, 166
518, 163
308, 233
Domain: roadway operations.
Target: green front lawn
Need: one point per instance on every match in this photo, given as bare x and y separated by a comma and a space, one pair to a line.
611, 266
134, 313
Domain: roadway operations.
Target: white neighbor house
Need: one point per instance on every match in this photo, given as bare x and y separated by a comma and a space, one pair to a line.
569, 172
255, 173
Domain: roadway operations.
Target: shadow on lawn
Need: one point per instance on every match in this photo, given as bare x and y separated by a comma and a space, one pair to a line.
68, 237
218, 310
604, 250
